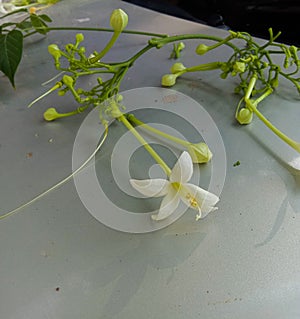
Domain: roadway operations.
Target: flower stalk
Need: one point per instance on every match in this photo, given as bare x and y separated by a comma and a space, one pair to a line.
199, 152
150, 150
118, 22
252, 106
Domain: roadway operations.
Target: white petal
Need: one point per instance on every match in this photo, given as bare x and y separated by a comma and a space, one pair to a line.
205, 200
183, 169
151, 187
168, 205
2, 10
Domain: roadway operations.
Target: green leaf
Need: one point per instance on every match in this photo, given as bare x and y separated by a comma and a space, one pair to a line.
45, 17
24, 25
11, 47
39, 25
4, 25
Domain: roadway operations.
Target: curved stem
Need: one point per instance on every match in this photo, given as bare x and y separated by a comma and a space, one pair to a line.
55, 87
295, 145
63, 181
130, 61
161, 42
149, 34
106, 49
263, 96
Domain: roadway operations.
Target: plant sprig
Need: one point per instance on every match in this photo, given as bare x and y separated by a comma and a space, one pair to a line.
251, 63
19, 19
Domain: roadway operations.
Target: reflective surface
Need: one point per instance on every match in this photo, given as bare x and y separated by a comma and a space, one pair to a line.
57, 261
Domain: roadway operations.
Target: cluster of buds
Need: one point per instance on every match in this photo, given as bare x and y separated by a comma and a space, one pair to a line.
176, 70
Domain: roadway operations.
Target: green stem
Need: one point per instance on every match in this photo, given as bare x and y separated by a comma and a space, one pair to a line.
13, 12
132, 119
63, 181
226, 40
205, 67
150, 150
106, 49
161, 42
263, 96
55, 87
149, 34
129, 62
251, 86
77, 111
295, 145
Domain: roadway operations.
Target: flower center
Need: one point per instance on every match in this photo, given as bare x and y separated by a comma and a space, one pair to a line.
191, 199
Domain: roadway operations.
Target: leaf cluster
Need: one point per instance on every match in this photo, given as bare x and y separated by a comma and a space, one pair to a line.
12, 34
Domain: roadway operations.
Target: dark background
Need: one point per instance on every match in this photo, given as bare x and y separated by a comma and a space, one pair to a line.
254, 16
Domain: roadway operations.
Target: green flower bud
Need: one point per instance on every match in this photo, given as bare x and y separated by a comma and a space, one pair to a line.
54, 50
244, 116
239, 67
177, 48
286, 63
79, 37
68, 80
118, 20
293, 49
223, 75
224, 67
62, 92
274, 82
69, 47
180, 46
168, 80
237, 89
177, 67
200, 153
119, 98
202, 49
51, 114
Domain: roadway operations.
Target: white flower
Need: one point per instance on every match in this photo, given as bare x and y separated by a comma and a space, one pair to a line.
177, 188
6, 7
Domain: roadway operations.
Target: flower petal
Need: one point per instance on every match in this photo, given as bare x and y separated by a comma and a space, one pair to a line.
151, 187
168, 205
183, 169
205, 200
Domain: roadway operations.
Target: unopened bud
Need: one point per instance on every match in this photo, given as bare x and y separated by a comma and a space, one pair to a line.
202, 49
177, 67
51, 114
118, 20
168, 80
239, 67
79, 37
68, 80
200, 153
54, 50
244, 116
